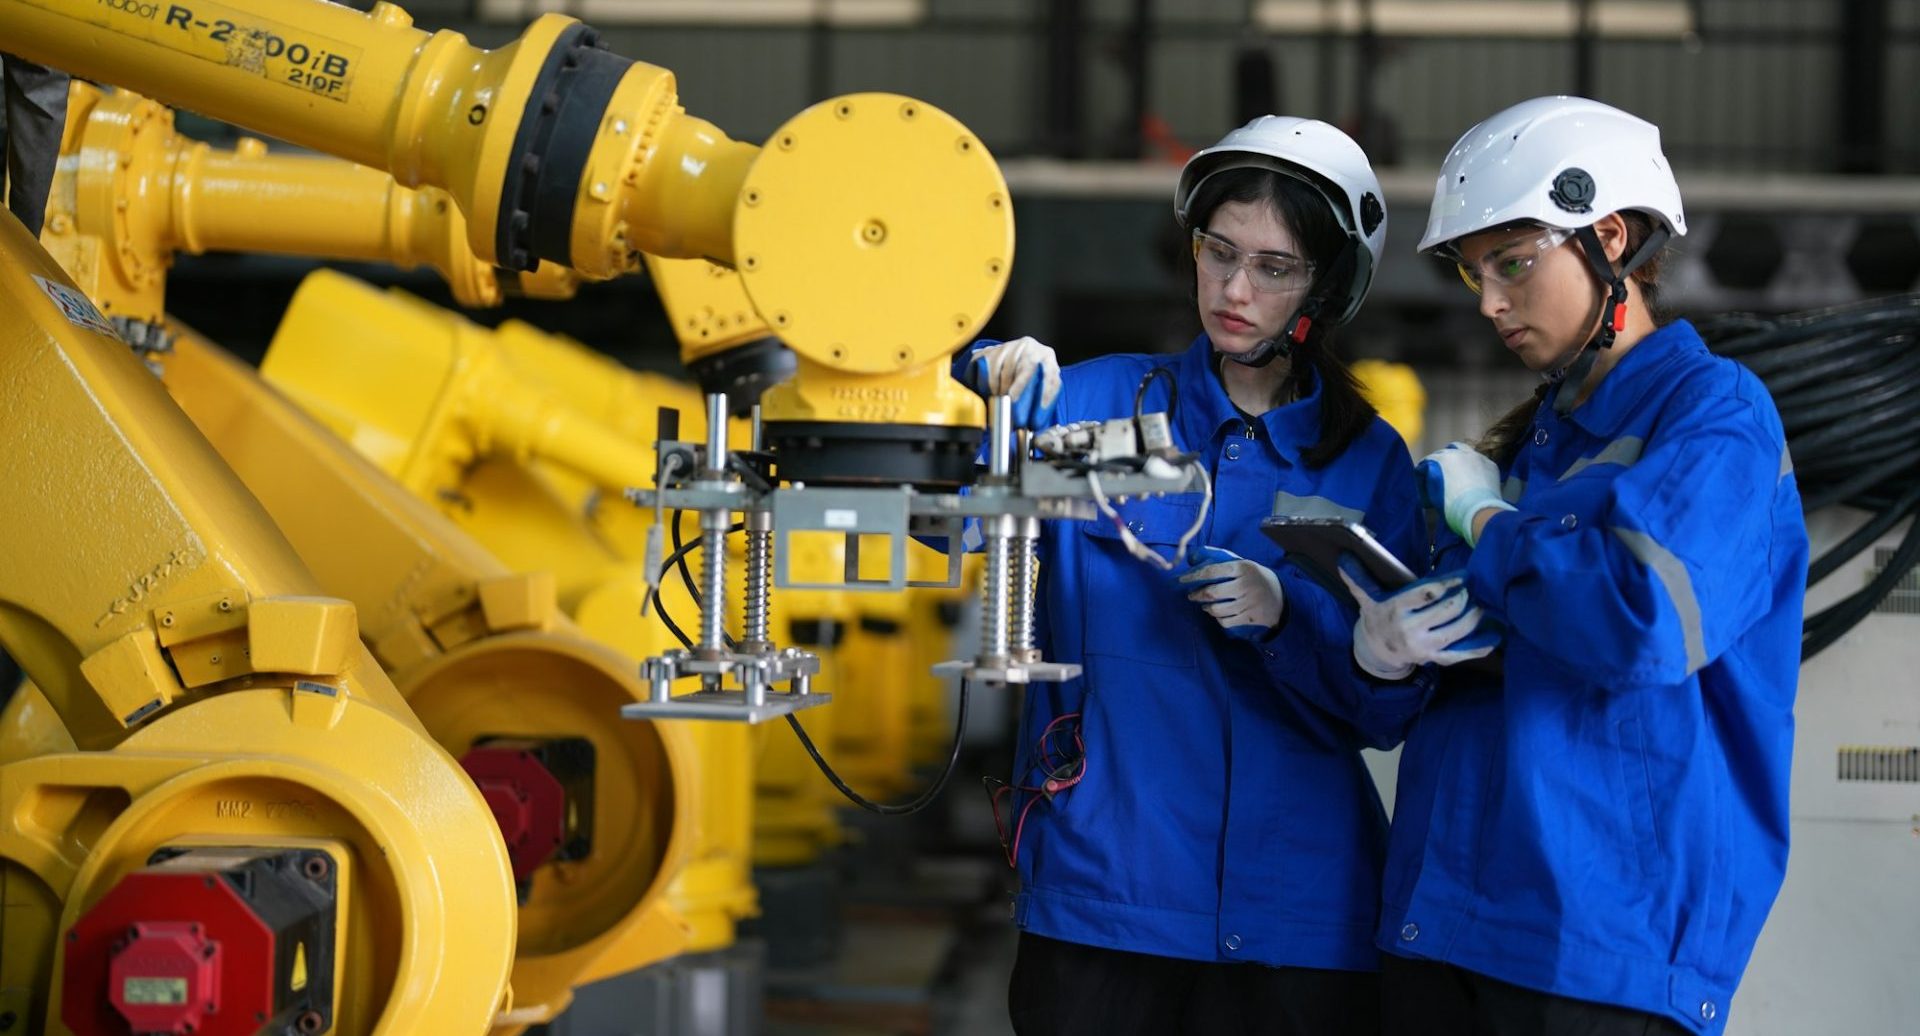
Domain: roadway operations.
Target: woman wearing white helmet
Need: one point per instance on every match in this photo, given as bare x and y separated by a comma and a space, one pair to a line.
1197, 839
1590, 842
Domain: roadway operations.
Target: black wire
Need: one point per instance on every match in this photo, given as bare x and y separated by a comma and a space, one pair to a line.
1140, 398
678, 556
920, 802
1846, 381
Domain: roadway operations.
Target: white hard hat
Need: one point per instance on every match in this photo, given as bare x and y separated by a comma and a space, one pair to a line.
1320, 156
1558, 161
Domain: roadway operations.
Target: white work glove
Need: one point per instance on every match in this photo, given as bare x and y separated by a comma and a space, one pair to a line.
1243, 596
1427, 621
1024, 368
1461, 482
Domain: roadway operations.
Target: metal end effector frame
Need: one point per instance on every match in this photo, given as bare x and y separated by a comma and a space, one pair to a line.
1069, 476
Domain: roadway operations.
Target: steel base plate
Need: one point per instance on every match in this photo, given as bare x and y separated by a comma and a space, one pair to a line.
726, 705
1017, 672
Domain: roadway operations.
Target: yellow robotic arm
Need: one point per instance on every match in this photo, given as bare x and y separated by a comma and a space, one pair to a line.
130, 192
874, 233
553, 148
596, 812
231, 731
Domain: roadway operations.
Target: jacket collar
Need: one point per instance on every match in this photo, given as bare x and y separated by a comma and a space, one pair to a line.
1620, 392
1205, 409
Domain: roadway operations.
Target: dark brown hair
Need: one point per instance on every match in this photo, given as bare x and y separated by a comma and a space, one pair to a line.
1344, 412
1502, 441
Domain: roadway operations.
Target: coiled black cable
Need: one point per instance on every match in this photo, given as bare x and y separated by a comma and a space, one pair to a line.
1846, 380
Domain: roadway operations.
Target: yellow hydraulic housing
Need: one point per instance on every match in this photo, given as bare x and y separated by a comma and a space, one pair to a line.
211, 695
1394, 390
874, 232
130, 193
463, 427
485, 658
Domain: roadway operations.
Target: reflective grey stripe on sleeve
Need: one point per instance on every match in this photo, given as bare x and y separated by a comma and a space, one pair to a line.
1623, 451
1285, 503
1786, 463
1512, 488
1679, 585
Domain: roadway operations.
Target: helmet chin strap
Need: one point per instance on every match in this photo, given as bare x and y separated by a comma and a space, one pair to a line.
1267, 350
1572, 375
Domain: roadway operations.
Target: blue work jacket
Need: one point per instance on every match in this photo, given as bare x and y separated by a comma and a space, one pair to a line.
1609, 821
1225, 813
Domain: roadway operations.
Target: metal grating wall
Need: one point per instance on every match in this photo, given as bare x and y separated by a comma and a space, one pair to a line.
1905, 598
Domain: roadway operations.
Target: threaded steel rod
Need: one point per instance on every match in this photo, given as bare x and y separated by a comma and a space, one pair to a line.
758, 600
713, 581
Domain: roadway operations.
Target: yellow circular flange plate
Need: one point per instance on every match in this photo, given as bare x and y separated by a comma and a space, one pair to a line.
874, 233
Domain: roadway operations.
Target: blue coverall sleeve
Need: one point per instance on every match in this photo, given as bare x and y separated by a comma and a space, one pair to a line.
1669, 573
1312, 653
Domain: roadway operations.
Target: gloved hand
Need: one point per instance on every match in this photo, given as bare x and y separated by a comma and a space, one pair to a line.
1461, 482
1243, 596
1024, 368
1427, 621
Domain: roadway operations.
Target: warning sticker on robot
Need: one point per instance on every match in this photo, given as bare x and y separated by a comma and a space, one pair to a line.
278, 53
77, 308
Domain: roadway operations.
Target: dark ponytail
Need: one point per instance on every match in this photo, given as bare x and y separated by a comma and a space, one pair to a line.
1502, 441
1344, 412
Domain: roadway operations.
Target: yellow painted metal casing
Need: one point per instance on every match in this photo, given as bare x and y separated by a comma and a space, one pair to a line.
928, 237
479, 652
707, 304
130, 193
445, 398
528, 514
634, 171
136, 565
1394, 390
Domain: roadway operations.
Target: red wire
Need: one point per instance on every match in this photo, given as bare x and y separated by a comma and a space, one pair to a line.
1051, 786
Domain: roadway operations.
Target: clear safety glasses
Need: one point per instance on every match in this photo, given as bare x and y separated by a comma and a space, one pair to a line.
1511, 263
1266, 271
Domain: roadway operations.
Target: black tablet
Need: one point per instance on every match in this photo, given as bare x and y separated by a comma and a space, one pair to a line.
1317, 543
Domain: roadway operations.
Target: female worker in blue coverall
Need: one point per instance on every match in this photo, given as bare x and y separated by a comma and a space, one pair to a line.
1197, 839
1589, 844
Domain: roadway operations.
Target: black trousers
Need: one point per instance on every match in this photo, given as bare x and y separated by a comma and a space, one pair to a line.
1427, 998
1067, 989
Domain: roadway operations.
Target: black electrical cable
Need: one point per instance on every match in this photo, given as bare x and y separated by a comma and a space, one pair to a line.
1146, 380
919, 802
915, 805
678, 557
1846, 381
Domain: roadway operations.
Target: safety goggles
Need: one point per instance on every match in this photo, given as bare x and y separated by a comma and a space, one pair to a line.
1266, 271
1511, 263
